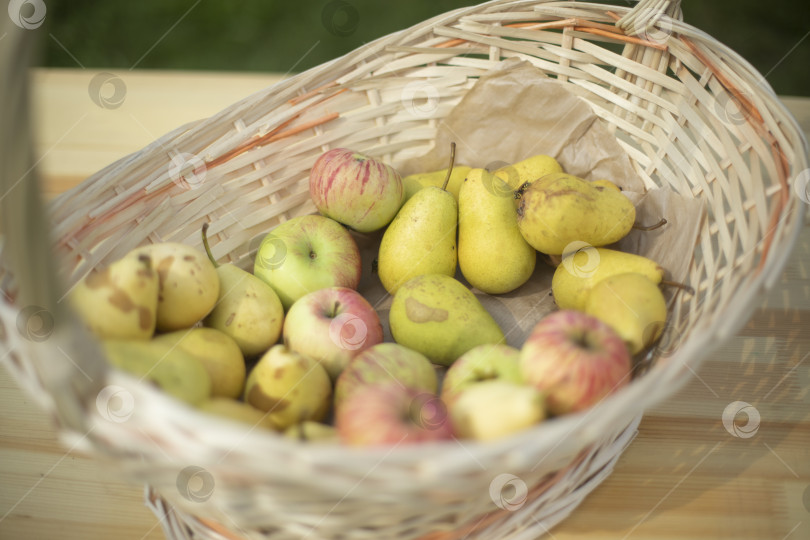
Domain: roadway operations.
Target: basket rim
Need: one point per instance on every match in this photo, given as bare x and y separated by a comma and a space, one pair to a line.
701, 340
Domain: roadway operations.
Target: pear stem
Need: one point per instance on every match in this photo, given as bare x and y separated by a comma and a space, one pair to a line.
452, 162
679, 285
206, 246
650, 227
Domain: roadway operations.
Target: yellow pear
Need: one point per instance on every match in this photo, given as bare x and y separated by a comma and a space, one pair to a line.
632, 305
492, 254
172, 369
561, 209
289, 387
247, 308
438, 316
496, 408
219, 354
605, 184
414, 182
579, 271
311, 431
234, 409
119, 301
421, 239
528, 170
189, 285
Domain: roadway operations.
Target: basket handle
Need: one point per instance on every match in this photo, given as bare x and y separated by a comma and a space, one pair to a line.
646, 14
64, 360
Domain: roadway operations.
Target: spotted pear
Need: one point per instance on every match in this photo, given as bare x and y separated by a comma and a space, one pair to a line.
247, 309
437, 315
119, 301
559, 210
289, 387
189, 285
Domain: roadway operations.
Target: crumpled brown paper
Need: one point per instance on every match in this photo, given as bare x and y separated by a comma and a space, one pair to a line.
516, 112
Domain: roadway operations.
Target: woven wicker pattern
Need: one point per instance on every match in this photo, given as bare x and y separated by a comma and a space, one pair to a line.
692, 116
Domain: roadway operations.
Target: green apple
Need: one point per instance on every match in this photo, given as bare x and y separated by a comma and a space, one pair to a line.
307, 253
482, 363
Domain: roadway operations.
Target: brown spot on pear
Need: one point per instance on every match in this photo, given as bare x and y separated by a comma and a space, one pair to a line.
560, 209
247, 309
185, 297
418, 312
301, 391
120, 300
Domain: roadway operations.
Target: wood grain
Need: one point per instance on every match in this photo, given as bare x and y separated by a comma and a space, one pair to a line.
685, 475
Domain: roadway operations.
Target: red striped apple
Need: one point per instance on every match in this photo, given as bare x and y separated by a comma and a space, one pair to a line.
361, 192
575, 359
332, 325
386, 362
389, 413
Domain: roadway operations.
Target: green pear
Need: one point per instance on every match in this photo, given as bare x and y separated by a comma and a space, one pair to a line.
119, 301
247, 308
220, 356
288, 386
528, 170
492, 254
579, 271
189, 285
239, 411
414, 182
421, 239
172, 369
560, 211
438, 316
633, 305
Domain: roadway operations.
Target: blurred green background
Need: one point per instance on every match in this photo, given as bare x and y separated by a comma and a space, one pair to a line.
284, 36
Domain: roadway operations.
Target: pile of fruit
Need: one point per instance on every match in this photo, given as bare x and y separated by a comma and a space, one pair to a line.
294, 347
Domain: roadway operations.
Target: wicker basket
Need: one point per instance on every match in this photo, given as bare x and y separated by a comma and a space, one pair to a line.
691, 115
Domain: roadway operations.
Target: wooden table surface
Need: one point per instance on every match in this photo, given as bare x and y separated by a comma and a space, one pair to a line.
684, 476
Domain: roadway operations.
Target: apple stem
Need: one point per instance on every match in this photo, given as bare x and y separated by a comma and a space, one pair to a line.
661, 223
452, 162
206, 246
